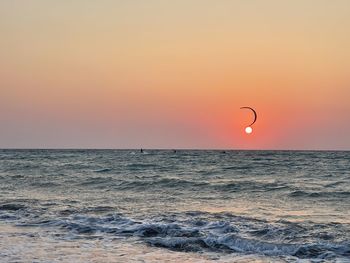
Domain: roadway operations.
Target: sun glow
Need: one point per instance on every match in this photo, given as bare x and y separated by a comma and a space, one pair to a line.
248, 130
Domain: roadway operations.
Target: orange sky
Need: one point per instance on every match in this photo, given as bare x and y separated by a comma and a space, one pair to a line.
173, 74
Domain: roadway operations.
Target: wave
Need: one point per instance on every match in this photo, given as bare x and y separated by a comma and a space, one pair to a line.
161, 184
233, 243
96, 182
209, 232
339, 194
144, 183
42, 184
12, 206
104, 170
335, 184
250, 186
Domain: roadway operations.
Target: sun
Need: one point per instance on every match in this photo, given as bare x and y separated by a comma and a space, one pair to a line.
248, 130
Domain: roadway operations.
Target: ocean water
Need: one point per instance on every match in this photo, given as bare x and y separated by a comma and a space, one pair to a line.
165, 206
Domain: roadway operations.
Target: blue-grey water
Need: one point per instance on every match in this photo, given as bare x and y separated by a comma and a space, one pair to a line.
165, 206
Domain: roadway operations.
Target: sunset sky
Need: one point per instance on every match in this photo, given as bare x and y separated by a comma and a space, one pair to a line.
174, 74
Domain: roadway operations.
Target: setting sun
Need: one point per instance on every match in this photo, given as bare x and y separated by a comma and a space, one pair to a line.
248, 130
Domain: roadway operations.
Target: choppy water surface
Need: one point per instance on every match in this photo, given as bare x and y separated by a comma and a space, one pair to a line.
161, 206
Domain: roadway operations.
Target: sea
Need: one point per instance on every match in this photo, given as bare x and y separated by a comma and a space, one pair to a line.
174, 206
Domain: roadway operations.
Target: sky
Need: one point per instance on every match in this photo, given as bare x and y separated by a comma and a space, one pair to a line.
174, 74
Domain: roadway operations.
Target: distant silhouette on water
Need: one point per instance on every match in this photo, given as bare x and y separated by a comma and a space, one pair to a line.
141, 151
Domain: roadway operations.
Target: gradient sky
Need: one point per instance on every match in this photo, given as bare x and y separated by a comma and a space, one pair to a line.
173, 74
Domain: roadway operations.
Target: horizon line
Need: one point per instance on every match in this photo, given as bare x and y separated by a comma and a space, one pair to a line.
179, 149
